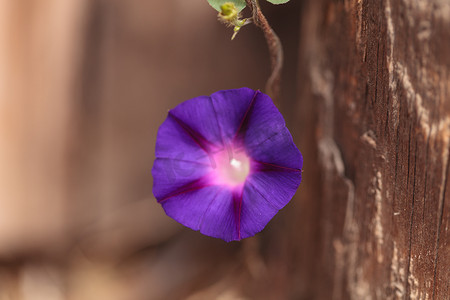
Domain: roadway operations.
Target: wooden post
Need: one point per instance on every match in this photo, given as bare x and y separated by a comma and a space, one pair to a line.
374, 120
39, 51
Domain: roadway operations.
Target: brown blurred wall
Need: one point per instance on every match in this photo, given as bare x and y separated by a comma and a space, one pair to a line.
84, 86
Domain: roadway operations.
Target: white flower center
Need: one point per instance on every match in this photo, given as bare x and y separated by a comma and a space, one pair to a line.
235, 163
232, 168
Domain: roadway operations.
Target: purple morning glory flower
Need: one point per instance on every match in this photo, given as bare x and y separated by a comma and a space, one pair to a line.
225, 164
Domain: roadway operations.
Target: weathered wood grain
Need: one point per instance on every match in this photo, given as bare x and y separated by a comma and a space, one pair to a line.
377, 74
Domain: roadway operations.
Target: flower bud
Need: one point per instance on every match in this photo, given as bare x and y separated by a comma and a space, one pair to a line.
229, 12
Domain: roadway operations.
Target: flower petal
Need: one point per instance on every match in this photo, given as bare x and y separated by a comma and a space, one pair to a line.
173, 176
222, 218
175, 142
278, 186
190, 207
264, 195
199, 117
262, 121
231, 108
256, 212
277, 150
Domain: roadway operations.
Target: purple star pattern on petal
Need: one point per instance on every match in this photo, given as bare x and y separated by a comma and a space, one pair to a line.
225, 164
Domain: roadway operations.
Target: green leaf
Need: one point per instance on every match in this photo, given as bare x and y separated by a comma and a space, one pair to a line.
278, 1
240, 4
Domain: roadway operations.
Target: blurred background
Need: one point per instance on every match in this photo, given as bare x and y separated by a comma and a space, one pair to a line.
84, 85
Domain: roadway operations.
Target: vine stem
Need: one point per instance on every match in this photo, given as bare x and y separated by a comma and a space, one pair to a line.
275, 49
